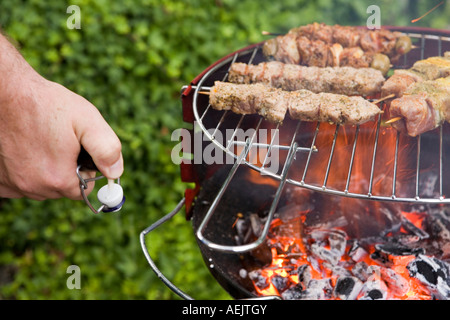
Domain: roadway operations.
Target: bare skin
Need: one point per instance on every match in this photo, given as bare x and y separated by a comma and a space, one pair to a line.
42, 128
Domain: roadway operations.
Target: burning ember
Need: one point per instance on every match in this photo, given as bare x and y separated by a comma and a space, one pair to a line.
326, 264
322, 246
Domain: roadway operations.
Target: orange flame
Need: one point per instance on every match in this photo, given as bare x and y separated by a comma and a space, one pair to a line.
288, 250
283, 262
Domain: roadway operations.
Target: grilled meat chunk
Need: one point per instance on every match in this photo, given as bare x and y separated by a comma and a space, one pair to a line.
290, 77
250, 99
321, 45
327, 107
399, 82
428, 69
417, 115
314, 53
376, 41
423, 107
273, 103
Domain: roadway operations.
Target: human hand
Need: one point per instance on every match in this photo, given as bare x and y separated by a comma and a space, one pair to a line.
42, 128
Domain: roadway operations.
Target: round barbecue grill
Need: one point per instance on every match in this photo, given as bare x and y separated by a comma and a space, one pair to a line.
296, 147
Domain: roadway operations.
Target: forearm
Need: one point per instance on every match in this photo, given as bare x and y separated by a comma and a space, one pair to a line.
14, 70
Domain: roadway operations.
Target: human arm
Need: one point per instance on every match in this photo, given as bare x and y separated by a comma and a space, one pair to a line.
42, 128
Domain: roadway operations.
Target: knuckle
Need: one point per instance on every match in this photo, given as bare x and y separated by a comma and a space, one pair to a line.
24, 185
114, 150
55, 182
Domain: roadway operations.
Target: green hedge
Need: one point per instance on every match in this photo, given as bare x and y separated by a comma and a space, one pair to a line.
131, 58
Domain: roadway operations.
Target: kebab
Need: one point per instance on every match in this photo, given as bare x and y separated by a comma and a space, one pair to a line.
392, 44
321, 45
290, 77
317, 53
424, 106
274, 103
428, 69
423, 82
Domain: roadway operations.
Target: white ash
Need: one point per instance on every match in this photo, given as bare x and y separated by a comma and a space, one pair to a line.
347, 288
374, 289
432, 272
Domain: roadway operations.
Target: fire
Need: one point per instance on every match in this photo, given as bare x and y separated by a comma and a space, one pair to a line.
417, 218
289, 255
337, 260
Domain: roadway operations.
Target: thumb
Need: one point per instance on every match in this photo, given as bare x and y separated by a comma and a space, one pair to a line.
100, 141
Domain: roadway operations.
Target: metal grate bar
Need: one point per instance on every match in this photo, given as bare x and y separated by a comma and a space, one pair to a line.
309, 155
419, 139
330, 159
394, 177
351, 160
254, 136
269, 149
279, 147
375, 146
441, 133
230, 142
253, 55
422, 47
219, 124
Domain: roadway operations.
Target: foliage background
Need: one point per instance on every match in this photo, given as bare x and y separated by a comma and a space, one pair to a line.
131, 58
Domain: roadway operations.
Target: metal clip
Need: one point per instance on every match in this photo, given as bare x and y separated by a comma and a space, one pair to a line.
84, 186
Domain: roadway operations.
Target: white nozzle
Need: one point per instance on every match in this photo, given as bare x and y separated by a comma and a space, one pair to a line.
111, 195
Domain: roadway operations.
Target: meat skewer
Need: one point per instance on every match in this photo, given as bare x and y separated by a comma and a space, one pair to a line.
421, 93
392, 44
293, 49
340, 80
273, 104
424, 106
428, 69
321, 45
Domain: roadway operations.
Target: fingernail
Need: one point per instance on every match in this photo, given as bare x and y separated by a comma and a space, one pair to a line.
116, 170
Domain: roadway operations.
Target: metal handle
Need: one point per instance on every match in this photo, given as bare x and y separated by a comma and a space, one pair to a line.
265, 231
85, 163
152, 264
155, 269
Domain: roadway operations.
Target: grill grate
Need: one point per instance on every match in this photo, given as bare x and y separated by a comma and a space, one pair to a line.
201, 113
